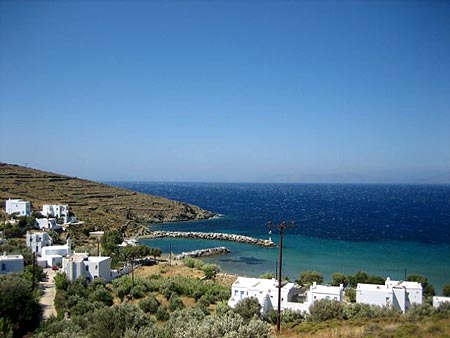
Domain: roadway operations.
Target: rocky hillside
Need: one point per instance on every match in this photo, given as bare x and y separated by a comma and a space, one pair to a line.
99, 205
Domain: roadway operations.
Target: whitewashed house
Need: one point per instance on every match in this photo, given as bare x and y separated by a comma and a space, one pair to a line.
54, 254
38, 240
437, 301
292, 297
11, 263
56, 210
21, 207
80, 265
47, 224
398, 294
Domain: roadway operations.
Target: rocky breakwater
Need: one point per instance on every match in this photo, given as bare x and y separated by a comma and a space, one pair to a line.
203, 252
211, 236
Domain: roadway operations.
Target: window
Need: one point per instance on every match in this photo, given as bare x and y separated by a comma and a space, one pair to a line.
87, 267
3, 266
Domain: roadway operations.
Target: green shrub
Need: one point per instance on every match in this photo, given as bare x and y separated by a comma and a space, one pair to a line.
358, 310
421, 310
137, 291
162, 314
338, 278
192, 263
175, 302
247, 308
307, 278
267, 275
222, 308
446, 290
325, 309
292, 317
351, 294
101, 294
61, 281
210, 270
149, 304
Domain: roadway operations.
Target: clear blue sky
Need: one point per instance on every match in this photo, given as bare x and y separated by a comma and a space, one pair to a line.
270, 91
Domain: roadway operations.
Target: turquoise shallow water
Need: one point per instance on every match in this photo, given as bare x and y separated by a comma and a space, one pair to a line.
385, 258
379, 229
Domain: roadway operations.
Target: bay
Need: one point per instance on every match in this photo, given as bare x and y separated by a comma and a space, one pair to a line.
380, 229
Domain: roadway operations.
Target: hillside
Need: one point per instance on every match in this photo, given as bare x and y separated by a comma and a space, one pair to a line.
100, 206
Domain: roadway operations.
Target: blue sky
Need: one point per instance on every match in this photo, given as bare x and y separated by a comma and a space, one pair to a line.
257, 91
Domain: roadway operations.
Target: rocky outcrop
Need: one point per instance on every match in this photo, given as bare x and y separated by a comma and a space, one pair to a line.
203, 253
211, 236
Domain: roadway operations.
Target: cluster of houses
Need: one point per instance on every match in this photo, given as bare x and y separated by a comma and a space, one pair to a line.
400, 295
60, 257
51, 213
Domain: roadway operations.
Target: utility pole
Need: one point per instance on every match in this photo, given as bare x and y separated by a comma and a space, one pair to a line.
33, 282
170, 254
281, 227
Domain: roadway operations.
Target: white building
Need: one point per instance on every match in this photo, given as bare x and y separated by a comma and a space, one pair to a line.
56, 210
38, 240
292, 297
398, 294
22, 208
80, 265
47, 224
437, 301
11, 263
54, 254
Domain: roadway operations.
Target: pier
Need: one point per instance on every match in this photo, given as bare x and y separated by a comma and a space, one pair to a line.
211, 236
221, 250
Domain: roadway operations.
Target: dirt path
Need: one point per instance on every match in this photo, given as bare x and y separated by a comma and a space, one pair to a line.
47, 300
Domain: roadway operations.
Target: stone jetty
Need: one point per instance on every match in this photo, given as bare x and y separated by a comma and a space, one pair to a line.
220, 250
211, 236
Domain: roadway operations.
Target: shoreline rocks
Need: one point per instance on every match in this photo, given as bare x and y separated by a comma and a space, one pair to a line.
211, 236
221, 250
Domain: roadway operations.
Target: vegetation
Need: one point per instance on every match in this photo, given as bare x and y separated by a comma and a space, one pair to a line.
162, 299
102, 207
19, 306
307, 278
446, 290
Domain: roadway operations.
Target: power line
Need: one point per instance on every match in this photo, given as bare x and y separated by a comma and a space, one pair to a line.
281, 227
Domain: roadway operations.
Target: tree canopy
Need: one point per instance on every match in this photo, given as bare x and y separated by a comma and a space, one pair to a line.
19, 305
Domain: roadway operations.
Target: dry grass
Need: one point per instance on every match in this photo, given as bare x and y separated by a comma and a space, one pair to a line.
100, 206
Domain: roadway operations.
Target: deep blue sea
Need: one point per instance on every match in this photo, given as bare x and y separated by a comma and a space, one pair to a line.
380, 229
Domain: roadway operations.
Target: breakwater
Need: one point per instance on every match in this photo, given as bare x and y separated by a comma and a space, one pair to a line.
203, 252
211, 236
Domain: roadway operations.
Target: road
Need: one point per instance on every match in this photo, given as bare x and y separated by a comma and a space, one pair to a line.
47, 300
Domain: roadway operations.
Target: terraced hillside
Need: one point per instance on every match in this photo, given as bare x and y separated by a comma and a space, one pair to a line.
100, 206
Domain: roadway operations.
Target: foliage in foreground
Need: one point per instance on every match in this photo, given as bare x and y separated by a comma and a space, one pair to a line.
127, 320
19, 306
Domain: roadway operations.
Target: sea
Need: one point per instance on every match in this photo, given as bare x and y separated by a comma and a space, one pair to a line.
387, 230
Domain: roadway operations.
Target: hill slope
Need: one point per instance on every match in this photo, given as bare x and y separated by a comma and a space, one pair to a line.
99, 205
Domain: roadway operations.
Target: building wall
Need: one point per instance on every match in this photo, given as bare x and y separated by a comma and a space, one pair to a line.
9, 264
399, 298
267, 295
382, 297
101, 269
37, 241
23, 208
56, 210
47, 223
437, 301
414, 295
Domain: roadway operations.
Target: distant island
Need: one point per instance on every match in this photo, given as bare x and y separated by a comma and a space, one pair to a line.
100, 206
